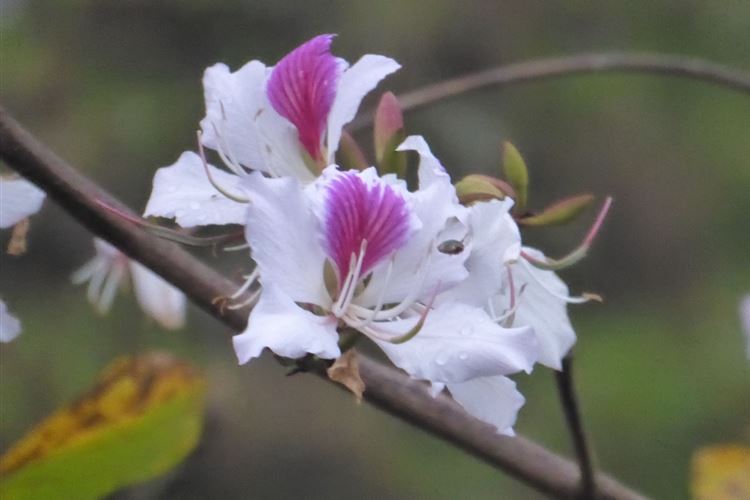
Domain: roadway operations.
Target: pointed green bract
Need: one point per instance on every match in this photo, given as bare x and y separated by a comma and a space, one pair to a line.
561, 212
142, 418
477, 187
514, 168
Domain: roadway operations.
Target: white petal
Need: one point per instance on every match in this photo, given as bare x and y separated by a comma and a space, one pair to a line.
279, 324
232, 102
355, 83
745, 318
430, 169
542, 311
494, 400
18, 199
280, 146
283, 234
159, 299
10, 326
182, 191
458, 343
494, 241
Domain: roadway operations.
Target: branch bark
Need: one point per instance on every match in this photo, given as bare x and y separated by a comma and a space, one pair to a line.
557, 67
387, 388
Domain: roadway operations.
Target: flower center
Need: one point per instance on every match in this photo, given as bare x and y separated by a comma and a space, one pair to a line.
302, 88
362, 224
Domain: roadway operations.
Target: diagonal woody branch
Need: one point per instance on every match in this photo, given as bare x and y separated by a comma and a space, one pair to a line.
387, 388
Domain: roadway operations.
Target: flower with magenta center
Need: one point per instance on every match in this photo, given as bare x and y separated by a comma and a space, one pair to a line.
360, 251
282, 121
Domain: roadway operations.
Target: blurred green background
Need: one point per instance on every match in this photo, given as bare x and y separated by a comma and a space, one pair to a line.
114, 87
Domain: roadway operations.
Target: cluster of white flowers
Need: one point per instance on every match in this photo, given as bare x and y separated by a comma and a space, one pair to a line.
443, 289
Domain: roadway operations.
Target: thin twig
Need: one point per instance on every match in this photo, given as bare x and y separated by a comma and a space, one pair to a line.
387, 388
556, 67
569, 401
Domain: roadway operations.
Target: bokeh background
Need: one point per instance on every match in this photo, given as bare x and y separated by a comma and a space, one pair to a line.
114, 87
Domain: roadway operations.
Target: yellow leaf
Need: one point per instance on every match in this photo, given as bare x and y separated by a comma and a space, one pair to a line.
721, 473
141, 419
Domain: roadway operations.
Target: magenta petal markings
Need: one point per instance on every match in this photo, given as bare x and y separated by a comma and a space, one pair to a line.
356, 212
302, 88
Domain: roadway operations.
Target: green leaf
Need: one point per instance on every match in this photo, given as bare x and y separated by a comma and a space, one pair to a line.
140, 420
561, 212
517, 174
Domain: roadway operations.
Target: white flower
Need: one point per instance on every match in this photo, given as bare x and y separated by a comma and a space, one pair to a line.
10, 327
20, 199
745, 319
283, 121
358, 250
106, 272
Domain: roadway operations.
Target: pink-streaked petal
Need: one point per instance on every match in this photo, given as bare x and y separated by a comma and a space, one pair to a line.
18, 199
302, 88
277, 323
356, 82
436, 207
494, 400
182, 191
458, 343
233, 100
283, 233
357, 211
10, 326
160, 300
541, 310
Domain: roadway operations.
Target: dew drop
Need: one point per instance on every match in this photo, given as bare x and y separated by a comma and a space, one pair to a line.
463, 356
441, 360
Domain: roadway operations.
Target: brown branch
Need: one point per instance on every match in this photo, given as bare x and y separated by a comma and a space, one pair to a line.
556, 67
387, 388
569, 402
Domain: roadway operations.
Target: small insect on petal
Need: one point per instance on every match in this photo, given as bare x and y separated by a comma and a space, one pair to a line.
451, 247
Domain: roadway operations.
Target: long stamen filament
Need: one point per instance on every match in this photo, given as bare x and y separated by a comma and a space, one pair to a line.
367, 319
249, 281
586, 297
579, 253
219, 188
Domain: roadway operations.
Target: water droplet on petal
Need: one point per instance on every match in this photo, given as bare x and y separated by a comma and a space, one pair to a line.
463, 356
441, 360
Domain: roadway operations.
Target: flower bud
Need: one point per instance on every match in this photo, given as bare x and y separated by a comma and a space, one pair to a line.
389, 133
476, 187
514, 168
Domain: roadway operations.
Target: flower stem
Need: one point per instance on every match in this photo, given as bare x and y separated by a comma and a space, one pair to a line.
569, 402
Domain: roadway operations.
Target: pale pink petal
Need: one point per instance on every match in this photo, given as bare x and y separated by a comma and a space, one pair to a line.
183, 191
277, 323
10, 326
355, 83
18, 199
233, 101
282, 231
543, 309
494, 400
160, 300
458, 343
